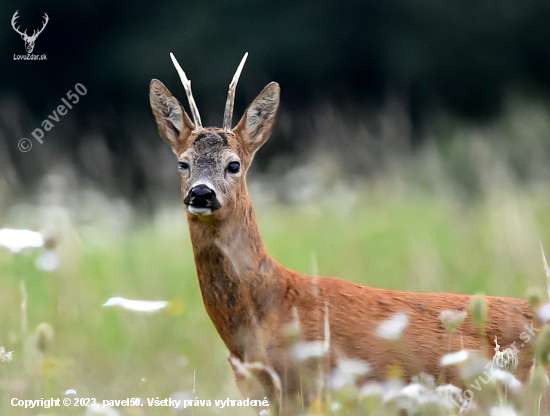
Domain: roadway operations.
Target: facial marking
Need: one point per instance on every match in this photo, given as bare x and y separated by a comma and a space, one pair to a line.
207, 150
209, 141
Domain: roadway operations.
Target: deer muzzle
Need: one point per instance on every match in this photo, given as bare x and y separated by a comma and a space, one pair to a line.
202, 200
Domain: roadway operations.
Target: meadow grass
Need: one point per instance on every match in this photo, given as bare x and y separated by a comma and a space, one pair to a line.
416, 241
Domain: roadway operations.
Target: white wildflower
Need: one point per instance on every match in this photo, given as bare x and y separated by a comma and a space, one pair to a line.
392, 327
425, 379
137, 305
544, 312
505, 378
455, 358
346, 372
502, 411
304, 350
372, 389
452, 319
414, 396
6, 357
19, 240
49, 261
468, 406
416, 391
449, 391
475, 365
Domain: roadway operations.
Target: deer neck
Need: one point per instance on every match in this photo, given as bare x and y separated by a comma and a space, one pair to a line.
237, 277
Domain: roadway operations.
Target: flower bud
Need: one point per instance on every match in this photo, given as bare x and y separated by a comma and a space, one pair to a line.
478, 310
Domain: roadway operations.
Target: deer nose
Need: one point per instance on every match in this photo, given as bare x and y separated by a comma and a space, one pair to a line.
202, 191
201, 196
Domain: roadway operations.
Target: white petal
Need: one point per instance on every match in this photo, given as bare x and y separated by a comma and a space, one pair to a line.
506, 378
304, 350
502, 411
454, 358
544, 312
392, 327
18, 240
48, 261
137, 305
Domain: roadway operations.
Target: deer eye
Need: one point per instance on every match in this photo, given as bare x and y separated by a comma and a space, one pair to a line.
183, 165
234, 167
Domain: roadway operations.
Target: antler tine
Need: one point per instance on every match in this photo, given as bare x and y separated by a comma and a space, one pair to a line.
46, 20
13, 19
187, 86
228, 115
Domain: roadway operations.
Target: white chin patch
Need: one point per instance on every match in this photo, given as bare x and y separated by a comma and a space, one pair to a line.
199, 211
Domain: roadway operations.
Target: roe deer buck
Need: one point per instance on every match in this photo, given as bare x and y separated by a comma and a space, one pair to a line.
252, 299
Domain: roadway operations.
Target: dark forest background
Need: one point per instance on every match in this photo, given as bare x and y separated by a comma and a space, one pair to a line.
356, 57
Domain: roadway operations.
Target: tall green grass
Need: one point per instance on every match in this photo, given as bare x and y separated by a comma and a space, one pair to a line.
414, 242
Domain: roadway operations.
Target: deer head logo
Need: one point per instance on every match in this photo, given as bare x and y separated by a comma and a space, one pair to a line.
29, 40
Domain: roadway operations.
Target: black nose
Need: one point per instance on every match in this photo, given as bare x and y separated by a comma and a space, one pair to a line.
201, 196
202, 191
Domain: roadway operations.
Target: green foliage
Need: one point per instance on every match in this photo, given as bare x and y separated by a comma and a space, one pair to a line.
412, 242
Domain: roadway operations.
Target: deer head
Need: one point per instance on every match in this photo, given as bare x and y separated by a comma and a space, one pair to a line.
29, 40
212, 162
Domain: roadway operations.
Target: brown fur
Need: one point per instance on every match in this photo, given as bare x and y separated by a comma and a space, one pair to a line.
251, 298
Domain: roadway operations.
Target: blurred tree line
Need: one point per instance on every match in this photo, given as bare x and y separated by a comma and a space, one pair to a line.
456, 55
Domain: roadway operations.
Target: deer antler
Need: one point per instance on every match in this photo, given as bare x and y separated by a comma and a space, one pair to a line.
13, 19
228, 115
187, 85
35, 32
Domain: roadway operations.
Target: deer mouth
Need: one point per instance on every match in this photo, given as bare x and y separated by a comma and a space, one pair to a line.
199, 210
202, 208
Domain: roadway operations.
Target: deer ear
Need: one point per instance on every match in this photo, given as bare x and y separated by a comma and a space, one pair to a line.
173, 123
256, 125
